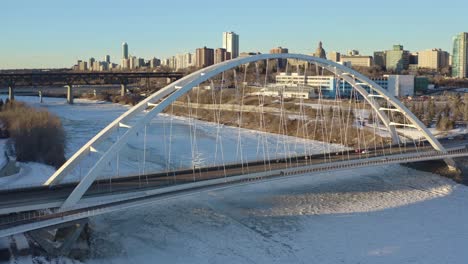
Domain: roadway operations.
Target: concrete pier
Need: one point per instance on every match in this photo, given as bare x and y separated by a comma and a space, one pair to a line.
70, 94
123, 89
11, 93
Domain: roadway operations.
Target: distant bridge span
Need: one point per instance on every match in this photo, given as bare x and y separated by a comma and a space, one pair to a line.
14, 80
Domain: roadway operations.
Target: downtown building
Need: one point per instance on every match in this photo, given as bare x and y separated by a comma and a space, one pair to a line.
460, 56
220, 55
355, 59
125, 63
334, 56
204, 57
231, 43
331, 87
380, 58
397, 59
434, 59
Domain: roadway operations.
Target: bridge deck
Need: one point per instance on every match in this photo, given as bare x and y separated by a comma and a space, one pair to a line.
10, 224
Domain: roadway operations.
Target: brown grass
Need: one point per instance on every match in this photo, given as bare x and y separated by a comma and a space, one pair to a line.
37, 134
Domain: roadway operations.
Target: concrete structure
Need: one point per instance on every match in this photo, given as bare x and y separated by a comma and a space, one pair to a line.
434, 59
397, 59
231, 43
460, 56
204, 57
357, 60
69, 93
107, 59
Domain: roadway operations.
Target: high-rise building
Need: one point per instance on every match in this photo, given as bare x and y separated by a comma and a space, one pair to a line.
133, 62
380, 58
434, 59
397, 59
124, 50
183, 61
281, 62
204, 57
82, 65
154, 62
107, 58
91, 63
460, 56
220, 55
231, 43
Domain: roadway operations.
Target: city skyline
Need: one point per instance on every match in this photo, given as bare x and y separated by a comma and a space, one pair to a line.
64, 34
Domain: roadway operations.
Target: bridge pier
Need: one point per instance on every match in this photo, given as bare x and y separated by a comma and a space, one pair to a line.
123, 89
70, 94
170, 80
11, 93
68, 239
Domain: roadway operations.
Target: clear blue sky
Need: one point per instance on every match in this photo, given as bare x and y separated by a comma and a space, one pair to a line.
55, 33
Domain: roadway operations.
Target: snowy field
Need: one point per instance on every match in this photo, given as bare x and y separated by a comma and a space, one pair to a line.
389, 214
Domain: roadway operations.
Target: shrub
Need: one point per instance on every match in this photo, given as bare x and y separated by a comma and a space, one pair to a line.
37, 134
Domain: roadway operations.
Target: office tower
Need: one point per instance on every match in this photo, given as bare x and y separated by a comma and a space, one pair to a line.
124, 50
397, 59
91, 63
107, 58
82, 65
434, 59
380, 58
231, 43
154, 62
460, 56
204, 57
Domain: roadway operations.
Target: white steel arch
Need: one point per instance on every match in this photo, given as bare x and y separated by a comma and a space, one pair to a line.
141, 114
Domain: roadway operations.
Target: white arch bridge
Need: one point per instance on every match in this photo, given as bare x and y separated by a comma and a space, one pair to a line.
362, 126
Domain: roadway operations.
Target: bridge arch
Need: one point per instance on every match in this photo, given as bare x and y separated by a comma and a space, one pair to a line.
149, 108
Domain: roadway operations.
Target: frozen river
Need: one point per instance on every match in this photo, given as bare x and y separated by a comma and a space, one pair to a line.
390, 214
